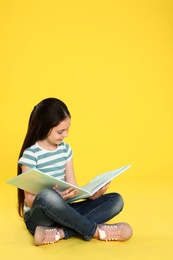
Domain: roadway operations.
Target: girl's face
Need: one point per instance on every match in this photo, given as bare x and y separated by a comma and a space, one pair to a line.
59, 132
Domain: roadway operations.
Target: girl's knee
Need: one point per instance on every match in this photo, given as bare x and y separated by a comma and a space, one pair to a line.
49, 196
119, 202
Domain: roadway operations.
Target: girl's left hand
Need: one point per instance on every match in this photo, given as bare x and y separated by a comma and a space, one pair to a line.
100, 192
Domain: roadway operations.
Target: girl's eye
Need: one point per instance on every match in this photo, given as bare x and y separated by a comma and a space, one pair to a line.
60, 132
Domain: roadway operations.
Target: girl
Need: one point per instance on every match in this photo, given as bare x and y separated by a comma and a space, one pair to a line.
47, 215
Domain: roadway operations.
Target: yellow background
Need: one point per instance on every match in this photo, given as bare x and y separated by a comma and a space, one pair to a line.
111, 63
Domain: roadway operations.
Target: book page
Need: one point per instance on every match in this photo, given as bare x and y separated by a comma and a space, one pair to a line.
102, 179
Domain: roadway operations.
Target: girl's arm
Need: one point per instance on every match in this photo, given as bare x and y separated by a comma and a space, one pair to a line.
70, 178
69, 173
29, 197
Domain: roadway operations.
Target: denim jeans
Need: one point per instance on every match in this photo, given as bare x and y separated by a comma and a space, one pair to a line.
50, 209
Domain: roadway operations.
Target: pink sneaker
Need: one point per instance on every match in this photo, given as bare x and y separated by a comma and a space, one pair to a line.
46, 235
119, 231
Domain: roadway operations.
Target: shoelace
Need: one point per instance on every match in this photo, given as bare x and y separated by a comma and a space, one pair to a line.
51, 236
109, 233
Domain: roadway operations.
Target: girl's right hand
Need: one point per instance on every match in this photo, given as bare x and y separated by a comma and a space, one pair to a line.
66, 194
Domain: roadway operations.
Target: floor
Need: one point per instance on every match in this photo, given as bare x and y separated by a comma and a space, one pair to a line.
148, 208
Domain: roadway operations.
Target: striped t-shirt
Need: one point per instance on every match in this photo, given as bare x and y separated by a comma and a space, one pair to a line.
49, 162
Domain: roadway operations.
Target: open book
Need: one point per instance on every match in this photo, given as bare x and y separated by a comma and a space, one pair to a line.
34, 181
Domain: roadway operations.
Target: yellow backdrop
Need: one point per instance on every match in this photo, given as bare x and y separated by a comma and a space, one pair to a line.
111, 63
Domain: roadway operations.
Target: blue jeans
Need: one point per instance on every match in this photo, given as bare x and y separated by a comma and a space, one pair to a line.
50, 209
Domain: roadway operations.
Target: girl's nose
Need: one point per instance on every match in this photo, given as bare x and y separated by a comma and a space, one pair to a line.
65, 134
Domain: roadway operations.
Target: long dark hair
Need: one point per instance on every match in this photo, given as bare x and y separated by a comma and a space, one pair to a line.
47, 114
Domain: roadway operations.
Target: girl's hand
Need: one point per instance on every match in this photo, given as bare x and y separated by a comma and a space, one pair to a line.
100, 192
66, 194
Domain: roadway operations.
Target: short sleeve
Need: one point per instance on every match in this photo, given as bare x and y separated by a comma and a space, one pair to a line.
28, 158
69, 151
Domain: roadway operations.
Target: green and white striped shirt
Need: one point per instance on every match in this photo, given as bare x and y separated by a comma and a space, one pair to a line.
50, 162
